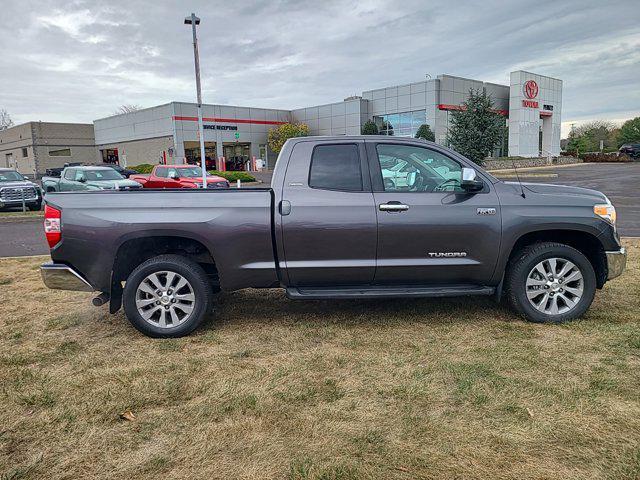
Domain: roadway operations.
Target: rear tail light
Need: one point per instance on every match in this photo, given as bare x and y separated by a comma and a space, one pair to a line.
52, 225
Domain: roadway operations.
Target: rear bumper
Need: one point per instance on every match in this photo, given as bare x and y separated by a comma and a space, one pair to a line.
62, 277
616, 263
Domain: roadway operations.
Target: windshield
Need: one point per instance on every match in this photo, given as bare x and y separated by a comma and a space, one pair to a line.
98, 175
10, 176
189, 172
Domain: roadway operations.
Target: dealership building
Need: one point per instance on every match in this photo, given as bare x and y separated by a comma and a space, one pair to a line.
530, 103
33, 147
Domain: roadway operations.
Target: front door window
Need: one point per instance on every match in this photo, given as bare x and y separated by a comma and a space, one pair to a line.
406, 168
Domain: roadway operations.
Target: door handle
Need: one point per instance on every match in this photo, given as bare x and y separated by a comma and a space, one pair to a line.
393, 207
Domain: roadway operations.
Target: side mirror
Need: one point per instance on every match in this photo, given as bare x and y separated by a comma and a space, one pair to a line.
470, 181
82, 179
174, 176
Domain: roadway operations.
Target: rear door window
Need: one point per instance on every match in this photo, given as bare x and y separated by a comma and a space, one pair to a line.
336, 167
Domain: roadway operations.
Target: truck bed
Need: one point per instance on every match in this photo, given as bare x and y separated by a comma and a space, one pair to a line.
235, 225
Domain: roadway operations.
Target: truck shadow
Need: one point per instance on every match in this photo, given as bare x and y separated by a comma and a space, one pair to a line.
273, 307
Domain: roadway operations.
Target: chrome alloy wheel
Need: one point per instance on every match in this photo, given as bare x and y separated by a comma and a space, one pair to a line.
165, 299
555, 286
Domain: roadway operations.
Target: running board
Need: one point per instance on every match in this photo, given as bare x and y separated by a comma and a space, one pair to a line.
318, 293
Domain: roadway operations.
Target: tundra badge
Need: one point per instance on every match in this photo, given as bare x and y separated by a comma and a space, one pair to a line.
447, 254
486, 211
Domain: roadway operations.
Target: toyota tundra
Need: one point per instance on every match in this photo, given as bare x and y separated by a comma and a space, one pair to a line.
345, 217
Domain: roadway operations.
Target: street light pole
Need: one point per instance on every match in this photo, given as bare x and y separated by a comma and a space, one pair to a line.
193, 21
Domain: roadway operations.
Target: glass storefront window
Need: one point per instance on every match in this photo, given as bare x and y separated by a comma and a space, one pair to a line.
403, 124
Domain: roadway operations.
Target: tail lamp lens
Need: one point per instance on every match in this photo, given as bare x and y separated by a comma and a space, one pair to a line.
52, 225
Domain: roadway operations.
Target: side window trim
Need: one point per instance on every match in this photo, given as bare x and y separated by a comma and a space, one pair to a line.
364, 166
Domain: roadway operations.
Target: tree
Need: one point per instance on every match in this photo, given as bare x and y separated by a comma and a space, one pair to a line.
476, 129
369, 128
587, 137
424, 131
277, 136
5, 119
127, 108
629, 132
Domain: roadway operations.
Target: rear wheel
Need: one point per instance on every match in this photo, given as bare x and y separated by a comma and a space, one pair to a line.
550, 282
167, 296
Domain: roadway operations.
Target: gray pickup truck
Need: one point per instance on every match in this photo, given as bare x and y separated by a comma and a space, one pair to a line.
16, 191
345, 217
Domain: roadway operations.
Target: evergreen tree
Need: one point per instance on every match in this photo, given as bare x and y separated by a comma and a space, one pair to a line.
425, 132
369, 128
476, 129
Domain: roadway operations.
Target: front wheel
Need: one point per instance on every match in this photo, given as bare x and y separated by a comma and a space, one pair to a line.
167, 296
550, 282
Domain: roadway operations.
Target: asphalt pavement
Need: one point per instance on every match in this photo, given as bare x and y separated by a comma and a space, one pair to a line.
620, 182
22, 237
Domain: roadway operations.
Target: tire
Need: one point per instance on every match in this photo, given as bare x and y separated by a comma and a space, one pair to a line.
523, 282
175, 313
35, 207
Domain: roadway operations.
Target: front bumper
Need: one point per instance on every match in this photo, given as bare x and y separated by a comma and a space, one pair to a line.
62, 277
18, 203
616, 263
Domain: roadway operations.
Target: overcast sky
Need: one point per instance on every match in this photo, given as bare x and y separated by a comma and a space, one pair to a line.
78, 61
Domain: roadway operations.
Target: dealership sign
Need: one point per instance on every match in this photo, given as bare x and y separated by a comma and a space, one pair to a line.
220, 127
530, 90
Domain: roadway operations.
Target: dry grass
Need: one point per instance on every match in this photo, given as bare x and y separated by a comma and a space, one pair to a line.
272, 388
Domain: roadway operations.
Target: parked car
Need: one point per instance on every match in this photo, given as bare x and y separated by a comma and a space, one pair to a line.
88, 178
14, 188
332, 227
178, 176
125, 172
57, 171
631, 149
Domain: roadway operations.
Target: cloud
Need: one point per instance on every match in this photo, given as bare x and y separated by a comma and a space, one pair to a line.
79, 60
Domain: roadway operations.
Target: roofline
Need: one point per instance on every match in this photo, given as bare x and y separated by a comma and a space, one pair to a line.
538, 74
136, 111
40, 122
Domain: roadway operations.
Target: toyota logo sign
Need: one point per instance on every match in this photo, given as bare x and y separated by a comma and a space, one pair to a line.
531, 89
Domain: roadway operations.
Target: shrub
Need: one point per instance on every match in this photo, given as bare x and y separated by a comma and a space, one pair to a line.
598, 157
234, 176
143, 168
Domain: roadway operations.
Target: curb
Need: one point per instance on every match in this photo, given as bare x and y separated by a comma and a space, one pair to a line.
544, 167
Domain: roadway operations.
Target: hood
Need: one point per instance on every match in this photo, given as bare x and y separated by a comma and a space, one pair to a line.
564, 190
210, 179
21, 183
112, 184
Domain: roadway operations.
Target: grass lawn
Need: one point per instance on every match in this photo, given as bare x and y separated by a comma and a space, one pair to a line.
272, 388
20, 214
